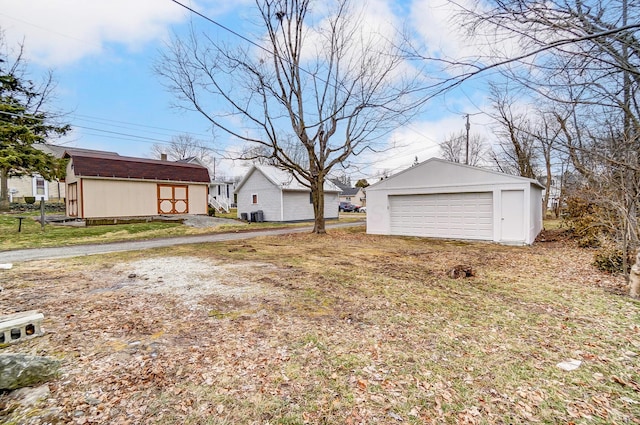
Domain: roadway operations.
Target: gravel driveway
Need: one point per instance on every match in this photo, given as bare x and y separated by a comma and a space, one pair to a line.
81, 250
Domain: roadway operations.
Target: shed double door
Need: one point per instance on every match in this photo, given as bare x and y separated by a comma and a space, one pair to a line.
443, 215
173, 199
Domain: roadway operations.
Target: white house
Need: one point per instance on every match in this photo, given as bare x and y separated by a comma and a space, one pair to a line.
442, 199
354, 195
280, 196
221, 194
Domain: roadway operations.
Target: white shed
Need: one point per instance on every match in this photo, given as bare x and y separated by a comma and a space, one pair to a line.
280, 196
442, 199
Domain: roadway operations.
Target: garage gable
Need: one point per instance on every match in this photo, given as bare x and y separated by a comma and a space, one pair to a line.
437, 172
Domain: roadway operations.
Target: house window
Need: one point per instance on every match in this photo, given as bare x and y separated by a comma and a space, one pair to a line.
254, 198
310, 198
40, 186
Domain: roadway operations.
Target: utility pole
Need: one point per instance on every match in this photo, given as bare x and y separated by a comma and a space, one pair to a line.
468, 126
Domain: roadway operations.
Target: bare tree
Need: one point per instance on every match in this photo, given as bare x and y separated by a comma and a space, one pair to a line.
326, 82
515, 152
454, 148
183, 146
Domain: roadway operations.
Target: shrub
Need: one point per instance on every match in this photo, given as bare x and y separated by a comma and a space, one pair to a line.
211, 211
30, 200
609, 259
582, 217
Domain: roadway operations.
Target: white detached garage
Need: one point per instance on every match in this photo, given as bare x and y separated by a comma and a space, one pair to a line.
442, 199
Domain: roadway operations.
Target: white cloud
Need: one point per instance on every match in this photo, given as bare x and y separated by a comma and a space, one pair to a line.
59, 32
420, 139
438, 24
433, 21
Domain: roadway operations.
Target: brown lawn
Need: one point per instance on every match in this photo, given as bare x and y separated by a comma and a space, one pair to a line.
345, 328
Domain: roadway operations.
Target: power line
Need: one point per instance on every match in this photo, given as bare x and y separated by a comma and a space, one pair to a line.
205, 17
107, 121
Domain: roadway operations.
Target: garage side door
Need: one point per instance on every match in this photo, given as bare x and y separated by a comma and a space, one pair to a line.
443, 215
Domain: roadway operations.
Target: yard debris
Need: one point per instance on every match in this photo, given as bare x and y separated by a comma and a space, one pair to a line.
6, 266
200, 327
461, 271
569, 365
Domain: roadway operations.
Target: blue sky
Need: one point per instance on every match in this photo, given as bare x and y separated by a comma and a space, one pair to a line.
102, 53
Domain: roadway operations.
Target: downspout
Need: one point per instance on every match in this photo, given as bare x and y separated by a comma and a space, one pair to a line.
281, 204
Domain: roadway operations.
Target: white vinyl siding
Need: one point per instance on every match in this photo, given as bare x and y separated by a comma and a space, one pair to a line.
331, 202
297, 206
269, 197
443, 215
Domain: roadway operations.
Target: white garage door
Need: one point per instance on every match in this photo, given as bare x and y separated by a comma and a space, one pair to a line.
443, 215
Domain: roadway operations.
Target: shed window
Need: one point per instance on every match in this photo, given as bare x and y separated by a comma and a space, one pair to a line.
254, 198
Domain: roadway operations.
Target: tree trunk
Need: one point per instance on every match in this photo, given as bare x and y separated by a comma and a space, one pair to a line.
4, 190
317, 196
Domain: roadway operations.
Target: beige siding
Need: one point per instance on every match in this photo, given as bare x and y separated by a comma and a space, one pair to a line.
25, 187
125, 198
114, 198
198, 199
99, 198
22, 186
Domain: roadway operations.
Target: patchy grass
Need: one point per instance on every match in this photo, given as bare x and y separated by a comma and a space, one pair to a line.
345, 328
232, 214
33, 236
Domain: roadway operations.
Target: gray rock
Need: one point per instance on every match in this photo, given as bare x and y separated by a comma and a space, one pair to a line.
29, 397
20, 370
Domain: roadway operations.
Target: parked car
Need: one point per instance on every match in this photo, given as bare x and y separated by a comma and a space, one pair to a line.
346, 207
361, 209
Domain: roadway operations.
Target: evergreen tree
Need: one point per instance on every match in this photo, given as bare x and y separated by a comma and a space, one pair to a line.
23, 124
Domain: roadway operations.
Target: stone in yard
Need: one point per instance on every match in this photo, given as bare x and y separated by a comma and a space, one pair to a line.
29, 396
20, 370
569, 365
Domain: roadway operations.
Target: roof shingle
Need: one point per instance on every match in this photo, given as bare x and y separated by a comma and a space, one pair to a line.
106, 165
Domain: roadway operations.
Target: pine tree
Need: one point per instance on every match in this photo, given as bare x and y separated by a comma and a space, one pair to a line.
23, 124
